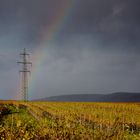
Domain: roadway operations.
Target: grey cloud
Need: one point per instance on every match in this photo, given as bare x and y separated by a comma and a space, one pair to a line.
111, 21
96, 51
91, 71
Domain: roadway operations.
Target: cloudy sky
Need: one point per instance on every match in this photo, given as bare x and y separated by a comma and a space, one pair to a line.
76, 46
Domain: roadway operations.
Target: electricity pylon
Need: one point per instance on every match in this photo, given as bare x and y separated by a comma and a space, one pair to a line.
25, 71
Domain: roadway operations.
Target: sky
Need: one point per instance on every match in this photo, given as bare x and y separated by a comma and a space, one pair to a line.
76, 46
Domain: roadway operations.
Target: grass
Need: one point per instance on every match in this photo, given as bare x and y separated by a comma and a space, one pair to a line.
74, 121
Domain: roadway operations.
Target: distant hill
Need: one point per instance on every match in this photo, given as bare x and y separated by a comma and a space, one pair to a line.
114, 97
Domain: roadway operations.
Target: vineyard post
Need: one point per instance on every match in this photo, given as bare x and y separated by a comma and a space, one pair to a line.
132, 120
123, 120
89, 118
80, 119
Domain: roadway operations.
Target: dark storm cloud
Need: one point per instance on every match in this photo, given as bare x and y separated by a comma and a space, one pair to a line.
30, 17
111, 21
96, 51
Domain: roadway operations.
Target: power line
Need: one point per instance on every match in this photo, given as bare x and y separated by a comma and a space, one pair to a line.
25, 70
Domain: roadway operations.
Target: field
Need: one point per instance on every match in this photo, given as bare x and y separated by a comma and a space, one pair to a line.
69, 120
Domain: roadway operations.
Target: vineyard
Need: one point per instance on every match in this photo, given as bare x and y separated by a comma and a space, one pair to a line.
72, 121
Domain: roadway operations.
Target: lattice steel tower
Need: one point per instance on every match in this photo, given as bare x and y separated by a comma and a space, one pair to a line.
25, 71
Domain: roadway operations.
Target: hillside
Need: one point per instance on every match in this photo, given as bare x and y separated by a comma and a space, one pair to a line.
114, 97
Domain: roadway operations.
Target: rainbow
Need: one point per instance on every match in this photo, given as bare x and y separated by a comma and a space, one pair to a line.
46, 37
